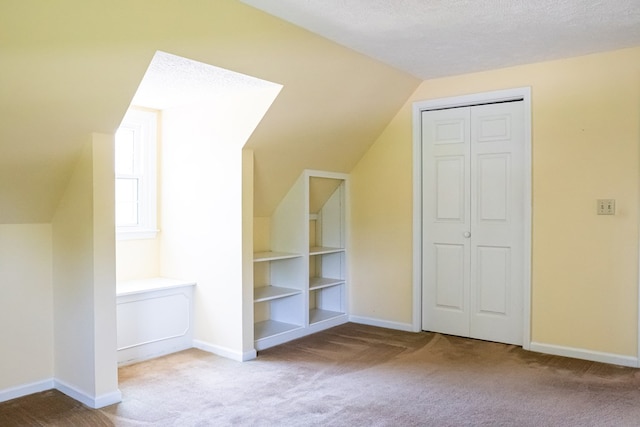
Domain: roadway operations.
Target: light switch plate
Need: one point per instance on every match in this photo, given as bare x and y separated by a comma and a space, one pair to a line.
606, 206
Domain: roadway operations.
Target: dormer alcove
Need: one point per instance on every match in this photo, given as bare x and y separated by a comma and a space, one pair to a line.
206, 115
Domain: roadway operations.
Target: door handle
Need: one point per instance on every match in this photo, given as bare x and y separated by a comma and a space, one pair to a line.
466, 234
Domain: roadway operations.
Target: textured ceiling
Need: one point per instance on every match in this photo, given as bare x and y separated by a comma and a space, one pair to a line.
435, 38
172, 81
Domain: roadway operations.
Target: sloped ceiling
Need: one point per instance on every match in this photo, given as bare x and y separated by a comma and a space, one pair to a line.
435, 38
71, 67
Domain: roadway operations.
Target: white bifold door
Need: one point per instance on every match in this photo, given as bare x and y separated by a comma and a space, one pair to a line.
473, 221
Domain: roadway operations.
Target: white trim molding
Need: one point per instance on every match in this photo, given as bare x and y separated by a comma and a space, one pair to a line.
408, 327
26, 389
638, 304
107, 399
225, 352
522, 93
94, 402
584, 354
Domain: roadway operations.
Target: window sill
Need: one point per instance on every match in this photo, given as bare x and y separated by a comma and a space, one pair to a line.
138, 234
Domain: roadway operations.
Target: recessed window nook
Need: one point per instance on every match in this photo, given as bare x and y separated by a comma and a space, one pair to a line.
193, 266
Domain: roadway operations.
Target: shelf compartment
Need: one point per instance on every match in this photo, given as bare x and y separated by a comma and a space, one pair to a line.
268, 293
271, 328
321, 250
323, 282
317, 315
273, 256
327, 265
280, 310
327, 302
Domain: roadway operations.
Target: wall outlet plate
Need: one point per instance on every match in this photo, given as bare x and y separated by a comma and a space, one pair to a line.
606, 206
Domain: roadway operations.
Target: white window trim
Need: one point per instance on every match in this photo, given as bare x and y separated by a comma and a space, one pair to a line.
147, 121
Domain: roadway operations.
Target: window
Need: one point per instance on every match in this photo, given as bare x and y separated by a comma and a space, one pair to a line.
135, 163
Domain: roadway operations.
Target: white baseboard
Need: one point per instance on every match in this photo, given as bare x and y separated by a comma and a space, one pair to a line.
108, 399
579, 353
74, 393
225, 352
94, 402
137, 354
407, 327
26, 389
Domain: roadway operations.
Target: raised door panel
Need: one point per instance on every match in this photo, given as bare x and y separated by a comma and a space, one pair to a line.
492, 278
493, 127
449, 280
450, 188
446, 307
446, 131
493, 185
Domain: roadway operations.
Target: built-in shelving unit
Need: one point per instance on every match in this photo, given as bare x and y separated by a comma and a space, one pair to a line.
300, 285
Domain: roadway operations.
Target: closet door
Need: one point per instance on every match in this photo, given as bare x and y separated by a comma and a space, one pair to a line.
446, 220
473, 168
497, 222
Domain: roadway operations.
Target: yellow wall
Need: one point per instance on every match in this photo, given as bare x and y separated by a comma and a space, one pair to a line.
72, 279
261, 234
381, 226
104, 272
585, 136
26, 309
137, 259
84, 279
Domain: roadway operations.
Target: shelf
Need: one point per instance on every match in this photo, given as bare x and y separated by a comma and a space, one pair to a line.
321, 250
270, 328
273, 256
316, 283
267, 293
317, 315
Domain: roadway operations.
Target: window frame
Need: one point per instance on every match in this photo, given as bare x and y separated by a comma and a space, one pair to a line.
144, 123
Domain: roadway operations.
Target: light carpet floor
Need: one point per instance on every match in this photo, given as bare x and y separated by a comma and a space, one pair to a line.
356, 375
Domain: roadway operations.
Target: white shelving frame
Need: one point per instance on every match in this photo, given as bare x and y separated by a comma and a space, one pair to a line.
306, 289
